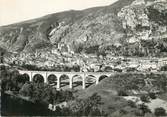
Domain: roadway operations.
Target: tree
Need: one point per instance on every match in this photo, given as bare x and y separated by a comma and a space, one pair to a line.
87, 107
26, 89
122, 93
52, 79
25, 78
131, 104
37, 92
38, 78
160, 111
152, 95
14, 76
78, 47
144, 108
144, 98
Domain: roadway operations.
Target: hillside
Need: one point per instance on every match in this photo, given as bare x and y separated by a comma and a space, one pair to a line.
123, 28
132, 84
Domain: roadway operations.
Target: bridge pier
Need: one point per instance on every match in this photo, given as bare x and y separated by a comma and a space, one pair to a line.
58, 81
30, 75
97, 81
83, 83
45, 78
71, 82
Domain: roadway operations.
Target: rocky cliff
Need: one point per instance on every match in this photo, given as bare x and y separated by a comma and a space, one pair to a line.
127, 27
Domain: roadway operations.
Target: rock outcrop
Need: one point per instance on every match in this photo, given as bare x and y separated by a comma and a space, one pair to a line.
127, 27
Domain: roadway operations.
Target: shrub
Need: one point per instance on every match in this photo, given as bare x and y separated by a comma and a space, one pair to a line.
91, 49
131, 104
123, 111
144, 98
144, 108
122, 93
152, 95
139, 112
160, 111
87, 107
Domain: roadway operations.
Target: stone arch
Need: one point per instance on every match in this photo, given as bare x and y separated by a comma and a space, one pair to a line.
101, 77
64, 77
77, 76
64, 80
77, 80
38, 78
26, 77
29, 73
90, 78
51, 79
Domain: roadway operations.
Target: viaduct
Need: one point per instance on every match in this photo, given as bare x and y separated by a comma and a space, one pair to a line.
70, 75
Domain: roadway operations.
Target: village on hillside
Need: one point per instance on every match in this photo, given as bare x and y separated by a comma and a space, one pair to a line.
63, 56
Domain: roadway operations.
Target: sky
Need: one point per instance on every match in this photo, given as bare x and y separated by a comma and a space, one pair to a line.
12, 11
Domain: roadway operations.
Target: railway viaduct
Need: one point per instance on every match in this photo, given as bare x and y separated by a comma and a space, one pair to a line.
45, 74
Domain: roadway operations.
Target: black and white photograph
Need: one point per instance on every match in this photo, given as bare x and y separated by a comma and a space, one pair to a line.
83, 58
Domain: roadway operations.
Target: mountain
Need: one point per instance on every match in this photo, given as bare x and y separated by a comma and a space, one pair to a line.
127, 27
33, 34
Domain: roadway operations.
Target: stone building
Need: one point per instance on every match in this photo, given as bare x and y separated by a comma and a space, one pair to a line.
162, 62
